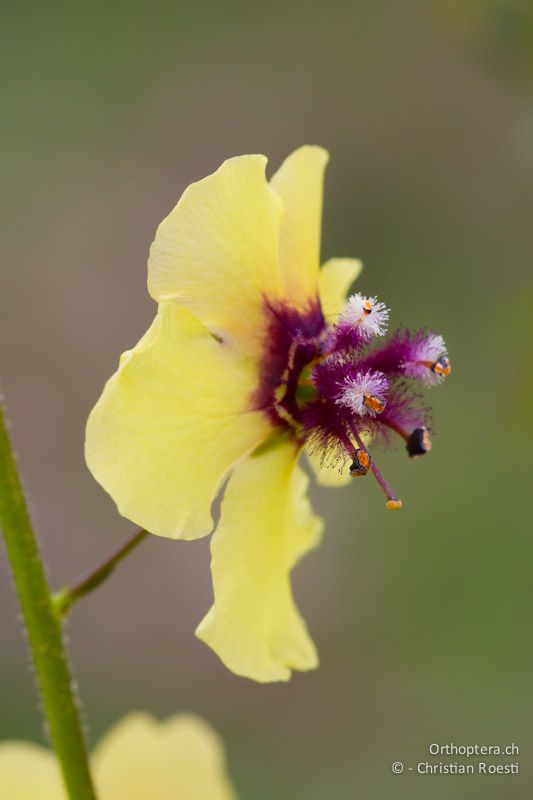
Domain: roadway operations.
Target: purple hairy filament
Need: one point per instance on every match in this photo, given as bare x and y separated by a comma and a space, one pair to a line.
331, 390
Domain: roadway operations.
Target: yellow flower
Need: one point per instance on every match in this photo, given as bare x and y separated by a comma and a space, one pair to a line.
139, 759
248, 362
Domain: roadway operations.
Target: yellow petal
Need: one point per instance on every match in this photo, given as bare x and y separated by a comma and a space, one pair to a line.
29, 772
266, 525
217, 252
336, 277
328, 473
299, 183
171, 423
179, 759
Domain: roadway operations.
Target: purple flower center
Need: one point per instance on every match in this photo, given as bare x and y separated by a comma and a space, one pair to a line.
293, 340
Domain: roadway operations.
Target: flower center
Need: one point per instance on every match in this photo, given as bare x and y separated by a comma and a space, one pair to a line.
325, 385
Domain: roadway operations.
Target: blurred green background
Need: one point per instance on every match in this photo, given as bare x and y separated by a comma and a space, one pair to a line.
422, 618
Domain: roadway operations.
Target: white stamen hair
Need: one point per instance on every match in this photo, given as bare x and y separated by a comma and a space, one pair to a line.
433, 347
354, 390
373, 323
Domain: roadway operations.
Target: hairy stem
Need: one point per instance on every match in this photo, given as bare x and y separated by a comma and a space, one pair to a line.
66, 597
43, 627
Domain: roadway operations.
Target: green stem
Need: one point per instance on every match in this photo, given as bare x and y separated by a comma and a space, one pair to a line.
43, 626
66, 597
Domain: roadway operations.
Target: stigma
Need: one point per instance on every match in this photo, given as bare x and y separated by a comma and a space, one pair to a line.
393, 505
361, 466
